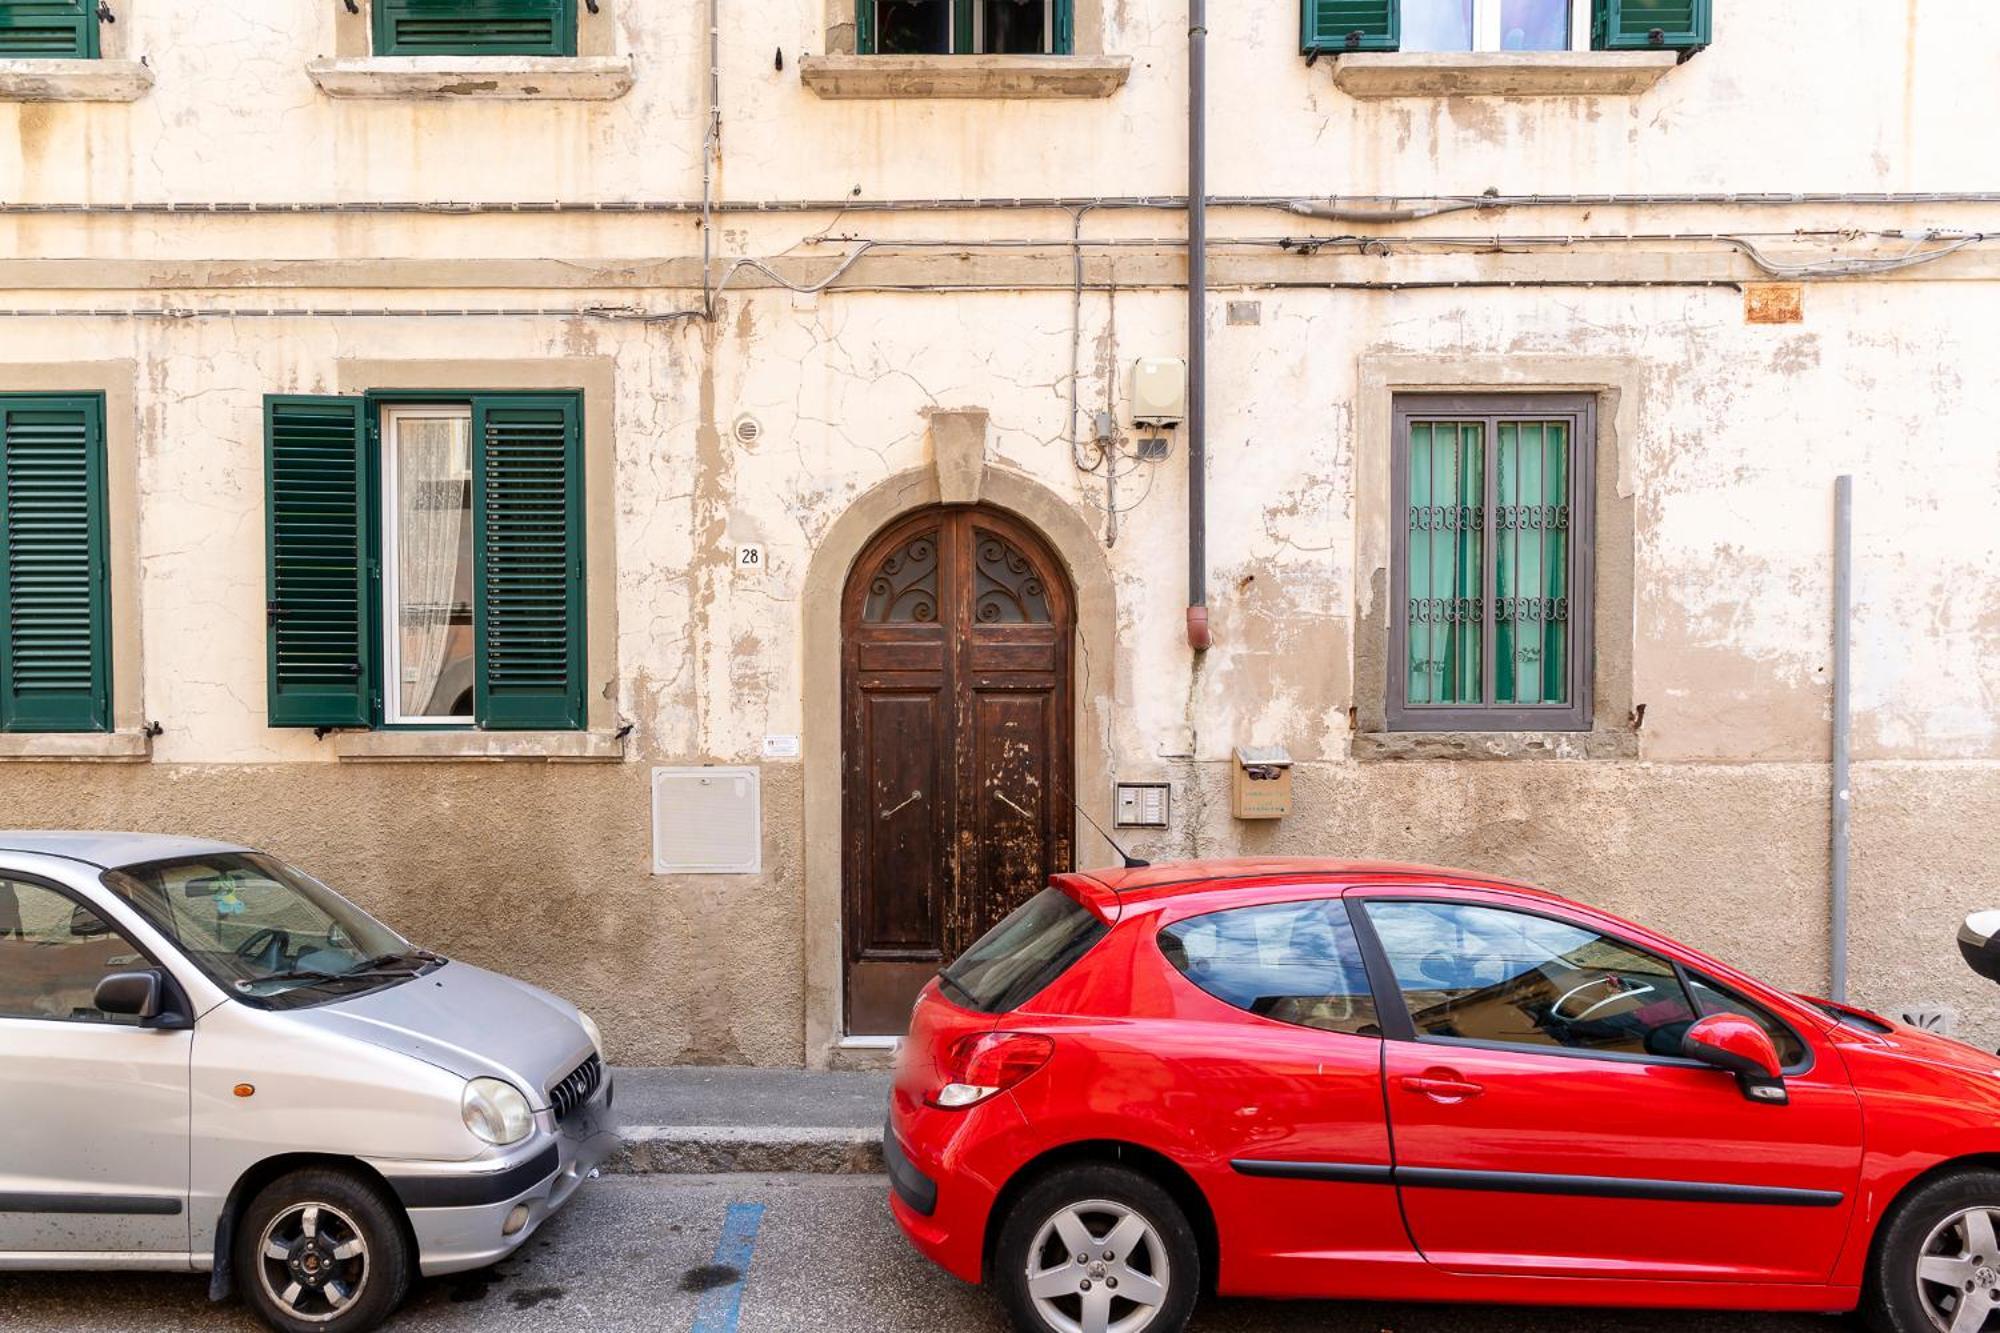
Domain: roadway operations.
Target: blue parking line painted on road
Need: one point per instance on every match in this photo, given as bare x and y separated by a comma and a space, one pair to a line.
721, 1306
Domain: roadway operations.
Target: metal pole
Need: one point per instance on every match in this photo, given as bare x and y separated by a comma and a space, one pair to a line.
1197, 318
711, 149
1843, 804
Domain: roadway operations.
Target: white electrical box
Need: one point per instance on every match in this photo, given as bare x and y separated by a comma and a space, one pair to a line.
1143, 805
707, 821
1159, 391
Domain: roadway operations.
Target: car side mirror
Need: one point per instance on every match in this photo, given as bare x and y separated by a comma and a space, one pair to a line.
1735, 1044
138, 994
1979, 943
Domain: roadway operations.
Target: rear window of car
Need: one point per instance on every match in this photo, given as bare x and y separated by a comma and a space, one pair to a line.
1017, 959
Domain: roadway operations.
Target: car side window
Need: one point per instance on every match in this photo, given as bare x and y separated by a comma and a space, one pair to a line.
1494, 975
53, 952
1712, 998
1295, 963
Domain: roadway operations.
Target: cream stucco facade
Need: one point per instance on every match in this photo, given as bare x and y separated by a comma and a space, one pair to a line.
249, 223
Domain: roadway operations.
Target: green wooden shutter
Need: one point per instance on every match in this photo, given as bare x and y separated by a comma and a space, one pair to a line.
1333, 26
864, 27
527, 489
1651, 25
1531, 563
48, 29
55, 648
1065, 34
475, 27
320, 650
1447, 562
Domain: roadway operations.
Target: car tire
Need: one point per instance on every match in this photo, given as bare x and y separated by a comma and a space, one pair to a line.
1044, 1274
1951, 1221
347, 1259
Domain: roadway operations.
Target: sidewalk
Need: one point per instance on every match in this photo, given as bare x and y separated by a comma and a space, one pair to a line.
703, 1121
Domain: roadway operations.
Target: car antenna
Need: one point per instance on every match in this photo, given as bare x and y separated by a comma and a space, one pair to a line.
1131, 862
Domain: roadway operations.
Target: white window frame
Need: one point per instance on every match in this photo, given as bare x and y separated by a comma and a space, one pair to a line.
979, 26
392, 644
1486, 27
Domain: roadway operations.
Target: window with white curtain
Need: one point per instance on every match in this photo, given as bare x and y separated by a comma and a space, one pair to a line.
1496, 25
427, 631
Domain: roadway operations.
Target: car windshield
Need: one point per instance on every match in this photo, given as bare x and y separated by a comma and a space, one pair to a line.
271, 935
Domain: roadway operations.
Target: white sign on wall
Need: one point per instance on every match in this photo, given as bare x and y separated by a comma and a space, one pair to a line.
781, 747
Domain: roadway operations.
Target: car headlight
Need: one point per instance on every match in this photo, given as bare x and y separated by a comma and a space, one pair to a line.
496, 1112
590, 1030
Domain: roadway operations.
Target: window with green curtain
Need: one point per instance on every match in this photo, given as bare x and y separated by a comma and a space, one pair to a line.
1491, 578
965, 27
48, 29
55, 638
475, 27
411, 589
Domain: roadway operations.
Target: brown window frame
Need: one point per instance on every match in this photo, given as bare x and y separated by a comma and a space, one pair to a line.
1493, 409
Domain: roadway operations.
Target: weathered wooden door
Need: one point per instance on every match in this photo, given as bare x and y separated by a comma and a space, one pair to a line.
957, 626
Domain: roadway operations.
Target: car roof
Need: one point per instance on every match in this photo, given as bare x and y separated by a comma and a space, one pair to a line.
108, 849
1174, 879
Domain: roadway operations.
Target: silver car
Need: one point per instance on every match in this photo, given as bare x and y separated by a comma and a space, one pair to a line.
210, 1061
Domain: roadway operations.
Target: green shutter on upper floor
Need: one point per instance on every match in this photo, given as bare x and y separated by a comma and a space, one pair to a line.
1651, 25
527, 491
1333, 26
55, 650
319, 543
475, 27
48, 29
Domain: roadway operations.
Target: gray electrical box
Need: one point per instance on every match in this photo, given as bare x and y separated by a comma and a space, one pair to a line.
1143, 805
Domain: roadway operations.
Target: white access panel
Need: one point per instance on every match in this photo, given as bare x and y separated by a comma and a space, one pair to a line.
707, 821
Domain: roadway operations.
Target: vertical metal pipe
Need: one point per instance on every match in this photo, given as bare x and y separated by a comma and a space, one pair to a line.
711, 148
1197, 319
1843, 804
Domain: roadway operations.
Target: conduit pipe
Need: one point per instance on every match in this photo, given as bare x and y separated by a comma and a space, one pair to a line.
711, 150
1197, 327
1843, 804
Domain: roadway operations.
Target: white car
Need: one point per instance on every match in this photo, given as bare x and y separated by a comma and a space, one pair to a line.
214, 1063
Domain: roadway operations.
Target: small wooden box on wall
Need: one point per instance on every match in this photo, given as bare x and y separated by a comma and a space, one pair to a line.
1261, 786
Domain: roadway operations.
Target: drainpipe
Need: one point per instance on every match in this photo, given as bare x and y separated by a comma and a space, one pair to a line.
1843, 805
711, 149
1197, 407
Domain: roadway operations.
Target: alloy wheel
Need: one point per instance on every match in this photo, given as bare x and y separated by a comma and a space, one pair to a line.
1098, 1267
1958, 1272
313, 1261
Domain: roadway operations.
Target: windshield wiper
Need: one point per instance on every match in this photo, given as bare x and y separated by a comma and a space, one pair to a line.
385, 964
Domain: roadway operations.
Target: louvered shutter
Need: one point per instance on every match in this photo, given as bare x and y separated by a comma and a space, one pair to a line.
48, 29
475, 27
1064, 42
320, 649
1333, 26
55, 657
1651, 25
528, 531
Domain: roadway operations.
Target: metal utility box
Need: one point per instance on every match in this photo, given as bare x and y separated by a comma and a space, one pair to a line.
1159, 391
1261, 786
1143, 805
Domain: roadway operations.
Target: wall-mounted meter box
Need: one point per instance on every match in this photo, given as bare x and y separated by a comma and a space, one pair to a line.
1159, 391
1263, 782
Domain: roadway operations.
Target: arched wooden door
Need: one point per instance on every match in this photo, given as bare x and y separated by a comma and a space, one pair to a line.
957, 739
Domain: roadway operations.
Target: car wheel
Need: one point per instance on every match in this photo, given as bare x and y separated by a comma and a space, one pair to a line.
1937, 1267
322, 1251
1097, 1249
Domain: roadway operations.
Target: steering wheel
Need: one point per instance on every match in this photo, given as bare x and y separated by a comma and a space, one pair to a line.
1620, 990
266, 948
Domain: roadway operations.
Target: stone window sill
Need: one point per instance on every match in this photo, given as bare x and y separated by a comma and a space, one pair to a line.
455, 78
76, 747
74, 80
489, 747
996, 77
1374, 746
1501, 74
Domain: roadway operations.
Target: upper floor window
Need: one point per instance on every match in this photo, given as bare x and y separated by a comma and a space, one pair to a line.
965, 27
1333, 26
426, 561
1495, 25
49, 29
55, 638
1491, 565
474, 27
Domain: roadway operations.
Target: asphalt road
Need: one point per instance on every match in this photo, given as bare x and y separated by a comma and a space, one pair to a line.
641, 1253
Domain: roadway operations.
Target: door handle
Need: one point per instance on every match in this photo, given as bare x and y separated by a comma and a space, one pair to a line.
900, 805
1442, 1086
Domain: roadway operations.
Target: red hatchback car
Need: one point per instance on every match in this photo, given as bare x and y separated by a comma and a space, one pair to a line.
1325, 1079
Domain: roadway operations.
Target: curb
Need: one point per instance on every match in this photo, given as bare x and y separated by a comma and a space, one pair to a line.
721, 1149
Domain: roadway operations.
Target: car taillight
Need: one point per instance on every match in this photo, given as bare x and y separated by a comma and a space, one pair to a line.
987, 1064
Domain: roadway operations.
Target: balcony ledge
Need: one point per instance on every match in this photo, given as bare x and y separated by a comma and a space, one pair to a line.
76, 747
74, 80
463, 78
490, 747
1373, 75
990, 77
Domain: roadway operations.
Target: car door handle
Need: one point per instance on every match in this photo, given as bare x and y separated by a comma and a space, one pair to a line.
1442, 1087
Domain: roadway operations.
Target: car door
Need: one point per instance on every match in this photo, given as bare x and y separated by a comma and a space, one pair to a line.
1544, 1123
1277, 1027
94, 1154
